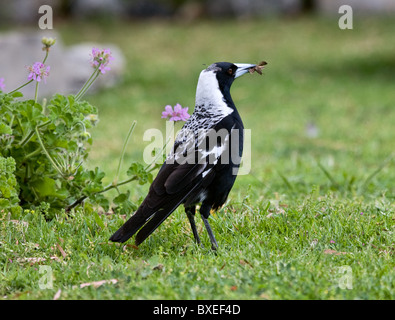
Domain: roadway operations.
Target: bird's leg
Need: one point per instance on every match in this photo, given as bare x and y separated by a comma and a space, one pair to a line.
190, 211
214, 244
205, 213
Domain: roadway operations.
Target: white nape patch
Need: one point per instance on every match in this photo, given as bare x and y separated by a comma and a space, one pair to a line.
209, 96
210, 109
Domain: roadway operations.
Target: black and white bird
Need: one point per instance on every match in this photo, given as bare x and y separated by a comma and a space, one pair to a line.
204, 161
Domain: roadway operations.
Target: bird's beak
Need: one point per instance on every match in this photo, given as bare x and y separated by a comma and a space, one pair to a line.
243, 68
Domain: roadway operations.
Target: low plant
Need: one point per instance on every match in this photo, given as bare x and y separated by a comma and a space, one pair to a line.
9, 199
44, 145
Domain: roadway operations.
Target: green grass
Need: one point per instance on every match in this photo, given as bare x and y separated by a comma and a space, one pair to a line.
303, 197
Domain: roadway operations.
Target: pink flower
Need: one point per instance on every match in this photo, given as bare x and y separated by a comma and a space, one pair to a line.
101, 59
38, 71
332, 241
179, 113
2, 85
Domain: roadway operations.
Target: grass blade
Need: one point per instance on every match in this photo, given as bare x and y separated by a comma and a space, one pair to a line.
123, 151
377, 171
328, 175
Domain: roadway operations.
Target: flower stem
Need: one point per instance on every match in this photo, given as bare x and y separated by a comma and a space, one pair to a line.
30, 135
31, 154
46, 56
88, 83
25, 84
36, 92
11, 92
107, 188
12, 121
26, 139
88, 86
46, 152
20, 125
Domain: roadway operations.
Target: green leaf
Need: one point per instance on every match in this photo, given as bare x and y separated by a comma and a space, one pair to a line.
46, 187
123, 204
121, 197
97, 175
4, 129
98, 220
138, 170
17, 94
100, 200
9, 189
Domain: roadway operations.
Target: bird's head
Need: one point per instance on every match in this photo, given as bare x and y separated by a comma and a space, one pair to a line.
227, 72
220, 75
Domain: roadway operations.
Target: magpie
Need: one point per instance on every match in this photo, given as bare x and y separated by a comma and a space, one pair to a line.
203, 163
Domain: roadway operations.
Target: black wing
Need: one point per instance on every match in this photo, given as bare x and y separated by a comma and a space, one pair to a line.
182, 175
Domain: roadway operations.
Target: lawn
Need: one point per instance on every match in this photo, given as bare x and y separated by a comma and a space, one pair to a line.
314, 218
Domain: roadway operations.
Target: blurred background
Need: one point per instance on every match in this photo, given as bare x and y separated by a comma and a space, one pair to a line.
20, 11
326, 99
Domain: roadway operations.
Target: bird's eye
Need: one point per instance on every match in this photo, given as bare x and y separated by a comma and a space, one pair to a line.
230, 71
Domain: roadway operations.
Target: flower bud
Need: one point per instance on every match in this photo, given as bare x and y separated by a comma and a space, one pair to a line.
85, 136
92, 118
47, 42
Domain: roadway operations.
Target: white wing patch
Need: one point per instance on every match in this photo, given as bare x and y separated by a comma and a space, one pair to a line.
206, 172
214, 152
217, 151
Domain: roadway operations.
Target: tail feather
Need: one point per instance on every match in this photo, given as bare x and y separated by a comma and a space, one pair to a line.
146, 220
129, 228
159, 216
151, 225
